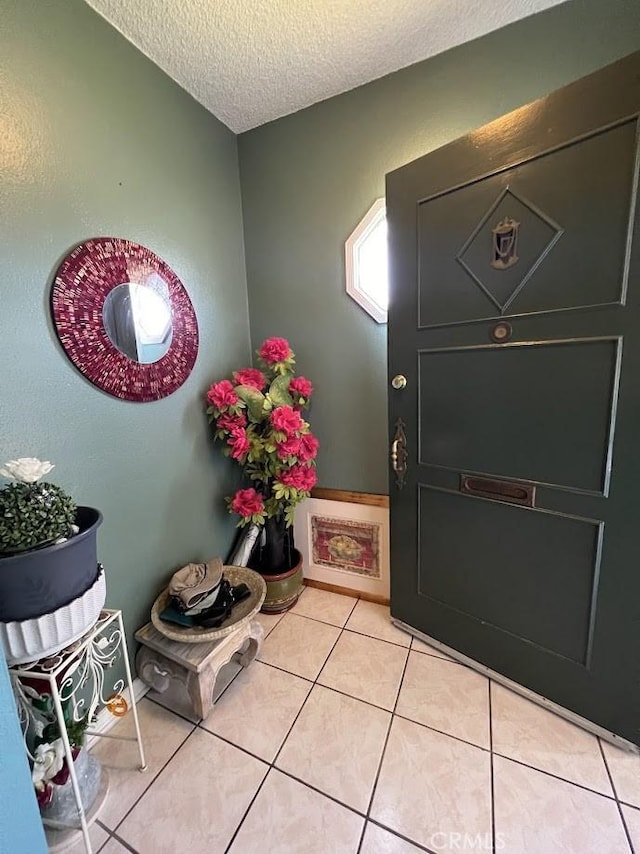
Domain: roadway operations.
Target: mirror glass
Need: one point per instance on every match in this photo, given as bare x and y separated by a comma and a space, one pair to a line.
137, 319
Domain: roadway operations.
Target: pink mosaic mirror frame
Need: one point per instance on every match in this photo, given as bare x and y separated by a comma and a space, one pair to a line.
83, 281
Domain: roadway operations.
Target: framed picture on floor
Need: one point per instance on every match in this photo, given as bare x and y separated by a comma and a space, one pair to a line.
345, 543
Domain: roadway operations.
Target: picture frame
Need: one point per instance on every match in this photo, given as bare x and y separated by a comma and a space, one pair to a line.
344, 542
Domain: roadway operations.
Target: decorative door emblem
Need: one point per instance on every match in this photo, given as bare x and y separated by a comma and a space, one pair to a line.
502, 275
505, 244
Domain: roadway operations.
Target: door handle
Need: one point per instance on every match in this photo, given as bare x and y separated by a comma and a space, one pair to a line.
399, 453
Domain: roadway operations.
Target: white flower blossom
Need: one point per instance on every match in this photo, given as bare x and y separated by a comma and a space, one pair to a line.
26, 469
48, 761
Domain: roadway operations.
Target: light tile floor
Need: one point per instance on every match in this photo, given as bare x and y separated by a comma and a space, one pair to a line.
348, 736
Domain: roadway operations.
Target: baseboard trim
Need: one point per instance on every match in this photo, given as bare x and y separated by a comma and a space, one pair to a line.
106, 721
346, 591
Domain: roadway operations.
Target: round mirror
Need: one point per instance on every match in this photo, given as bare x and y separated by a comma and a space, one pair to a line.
137, 320
124, 319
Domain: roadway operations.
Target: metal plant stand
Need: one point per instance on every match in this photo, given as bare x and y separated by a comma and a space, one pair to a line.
75, 676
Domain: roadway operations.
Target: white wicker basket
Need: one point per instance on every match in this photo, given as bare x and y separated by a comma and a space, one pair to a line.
29, 640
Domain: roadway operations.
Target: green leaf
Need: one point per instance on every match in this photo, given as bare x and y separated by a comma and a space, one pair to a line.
254, 400
279, 391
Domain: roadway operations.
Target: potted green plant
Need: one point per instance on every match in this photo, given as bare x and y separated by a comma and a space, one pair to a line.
258, 416
48, 561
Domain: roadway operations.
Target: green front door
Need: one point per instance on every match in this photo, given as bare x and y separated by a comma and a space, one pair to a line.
515, 317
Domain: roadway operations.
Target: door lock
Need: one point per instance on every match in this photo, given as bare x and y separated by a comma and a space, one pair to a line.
399, 455
399, 381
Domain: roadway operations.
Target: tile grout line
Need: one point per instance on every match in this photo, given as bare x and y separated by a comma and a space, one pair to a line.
272, 764
153, 780
372, 705
312, 683
408, 650
554, 776
363, 634
402, 717
367, 816
493, 800
384, 749
124, 843
395, 833
440, 732
410, 647
167, 709
107, 840
615, 793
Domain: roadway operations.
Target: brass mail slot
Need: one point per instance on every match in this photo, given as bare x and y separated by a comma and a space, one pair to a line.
499, 490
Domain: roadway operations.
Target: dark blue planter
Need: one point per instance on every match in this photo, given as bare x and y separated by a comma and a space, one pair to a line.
38, 582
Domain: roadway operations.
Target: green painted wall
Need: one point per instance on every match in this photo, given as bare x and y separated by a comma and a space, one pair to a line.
96, 140
308, 179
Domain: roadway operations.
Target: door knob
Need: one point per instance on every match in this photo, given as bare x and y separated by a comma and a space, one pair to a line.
399, 381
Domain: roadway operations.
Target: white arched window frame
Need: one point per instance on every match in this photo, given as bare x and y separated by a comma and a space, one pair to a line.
366, 262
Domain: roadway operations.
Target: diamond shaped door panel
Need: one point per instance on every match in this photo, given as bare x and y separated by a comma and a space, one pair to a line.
516, 243
528, 385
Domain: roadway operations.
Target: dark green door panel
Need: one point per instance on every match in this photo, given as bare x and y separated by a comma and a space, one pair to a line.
560, 238
531, 221
553, 603
523, 387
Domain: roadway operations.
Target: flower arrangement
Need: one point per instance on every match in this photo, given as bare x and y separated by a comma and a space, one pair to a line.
258, 416
32, 514
50, 767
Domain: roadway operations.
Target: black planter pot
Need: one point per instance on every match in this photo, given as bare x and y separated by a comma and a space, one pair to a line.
274, 552
40, 581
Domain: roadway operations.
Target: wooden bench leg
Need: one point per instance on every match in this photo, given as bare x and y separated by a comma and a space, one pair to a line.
255, 636
200, 689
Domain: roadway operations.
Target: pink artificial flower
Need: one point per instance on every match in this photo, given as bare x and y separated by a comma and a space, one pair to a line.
288, 448
302, 478
230, 422
301, 386
222, 395
247, 502
251, 377
239, 442
308, 447
275, 350
286, 420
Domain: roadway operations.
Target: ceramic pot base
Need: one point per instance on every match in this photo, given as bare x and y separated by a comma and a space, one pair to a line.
284, 589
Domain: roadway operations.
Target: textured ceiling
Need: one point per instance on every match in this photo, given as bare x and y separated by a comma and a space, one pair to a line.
251, 61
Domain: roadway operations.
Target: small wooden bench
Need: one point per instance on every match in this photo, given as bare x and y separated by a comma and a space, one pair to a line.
195, 666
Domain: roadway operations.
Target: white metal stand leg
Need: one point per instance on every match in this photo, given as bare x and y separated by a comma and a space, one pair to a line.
70, 764
134, 710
